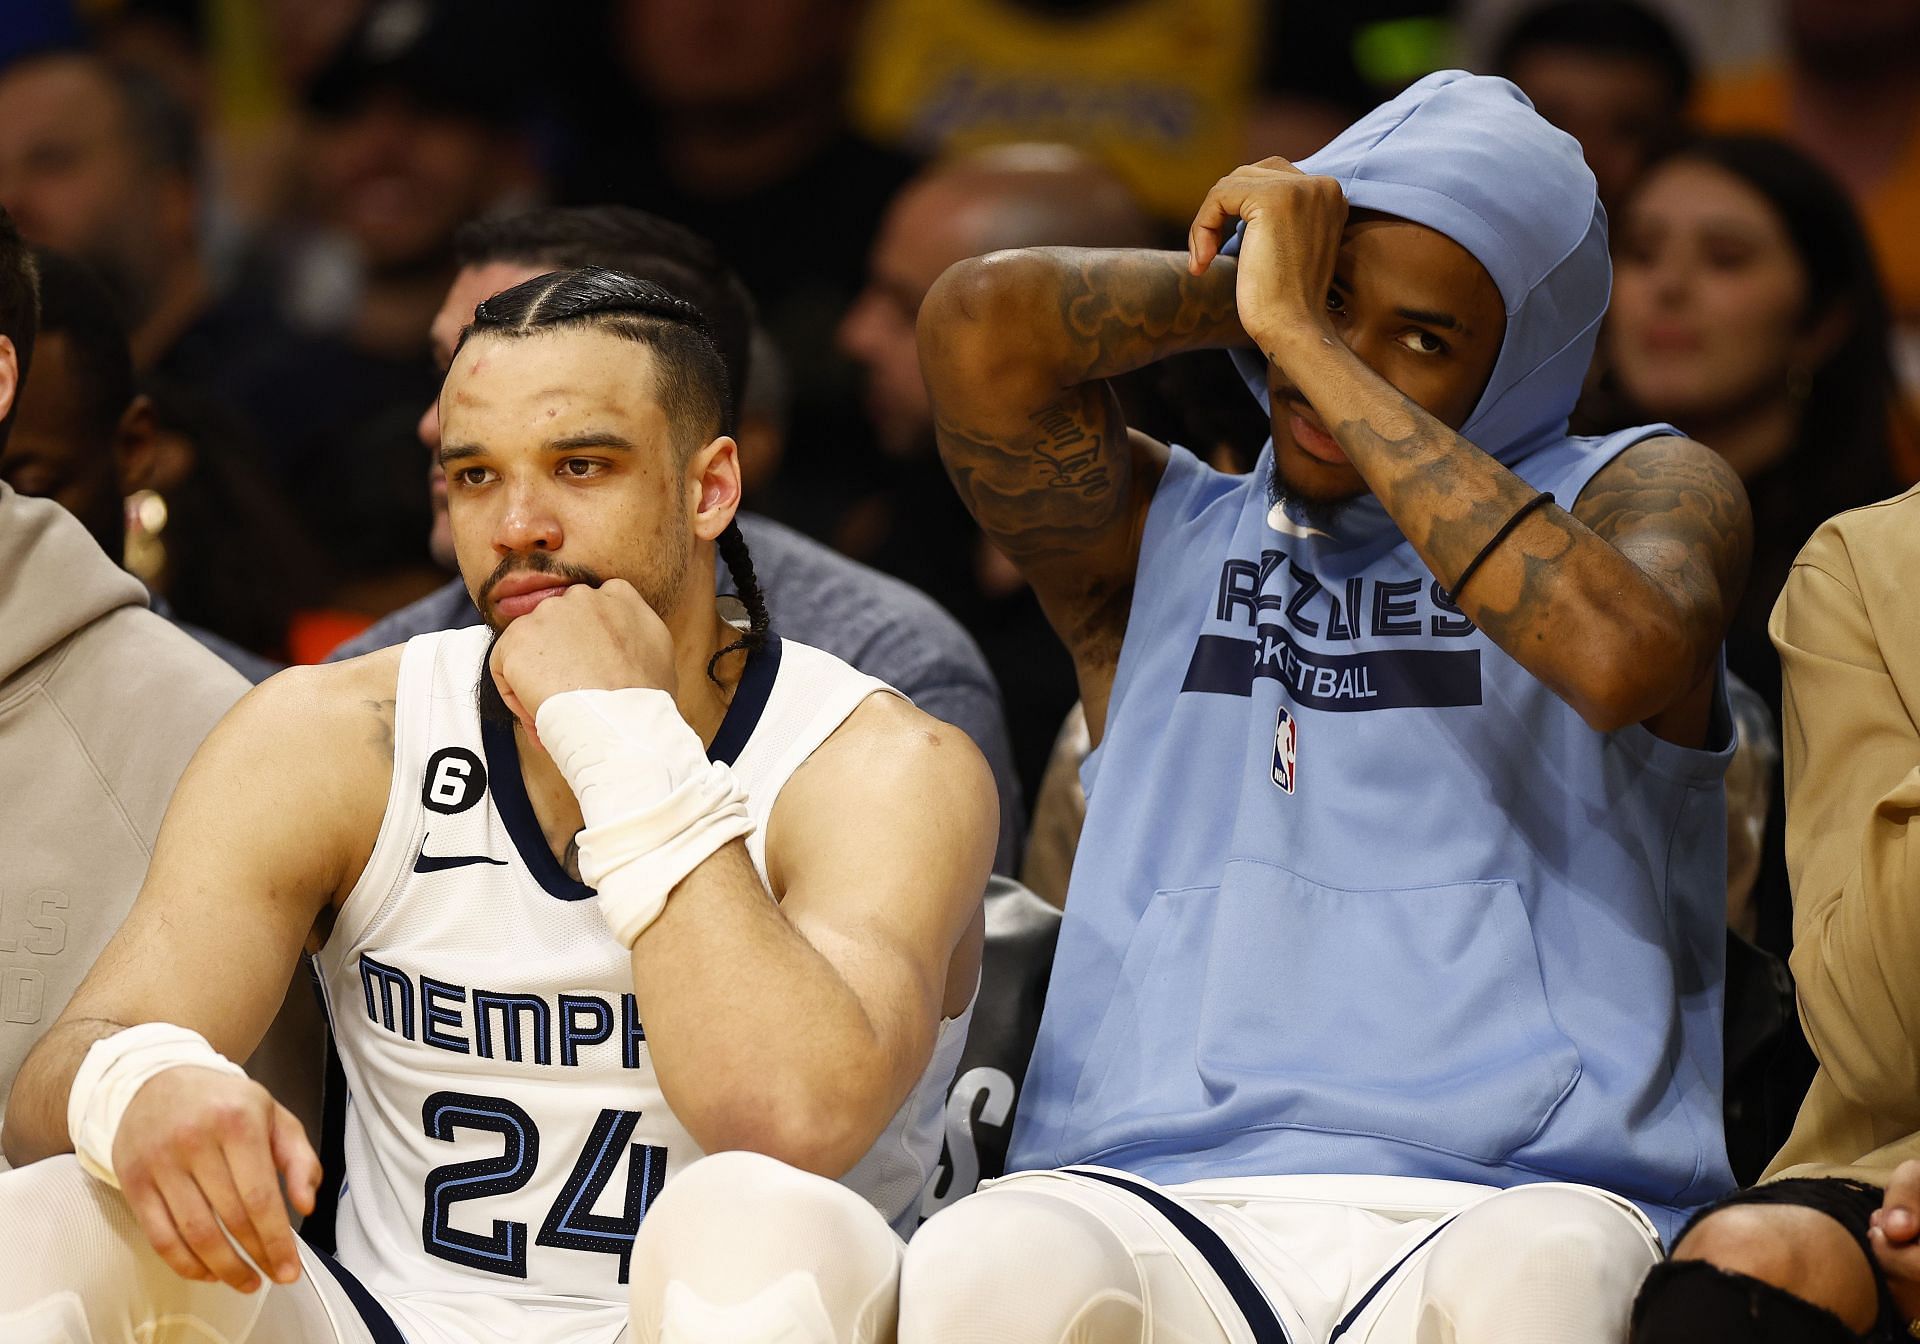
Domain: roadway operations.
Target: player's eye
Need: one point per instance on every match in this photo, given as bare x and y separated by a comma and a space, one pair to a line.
1335, 303
472, 475
1424, 343
579, 467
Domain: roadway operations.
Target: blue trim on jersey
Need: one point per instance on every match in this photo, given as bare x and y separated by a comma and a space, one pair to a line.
378, 1323
1259, 1313
510, 799
749, 702
1346, 1322
509, 787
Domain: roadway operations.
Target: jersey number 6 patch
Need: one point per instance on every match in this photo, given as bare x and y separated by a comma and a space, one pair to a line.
455, 780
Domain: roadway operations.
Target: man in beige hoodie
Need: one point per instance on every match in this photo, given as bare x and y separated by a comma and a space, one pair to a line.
101, 705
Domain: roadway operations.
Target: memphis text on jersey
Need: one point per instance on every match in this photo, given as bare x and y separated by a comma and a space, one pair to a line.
498, 1024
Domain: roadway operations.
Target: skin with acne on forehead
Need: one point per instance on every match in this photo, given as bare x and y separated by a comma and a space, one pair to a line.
557, 443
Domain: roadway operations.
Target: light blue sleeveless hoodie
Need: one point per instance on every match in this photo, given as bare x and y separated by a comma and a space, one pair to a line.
1356, 892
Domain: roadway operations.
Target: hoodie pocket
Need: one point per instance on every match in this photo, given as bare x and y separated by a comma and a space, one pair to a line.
1414, 1014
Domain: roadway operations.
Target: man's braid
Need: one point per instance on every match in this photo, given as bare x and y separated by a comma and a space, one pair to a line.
733, 550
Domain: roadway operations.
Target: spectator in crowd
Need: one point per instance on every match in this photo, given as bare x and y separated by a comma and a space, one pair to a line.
1611, 73
101, 705
914, 526
1404, 853
405, 143
731, 119
876, 623
1747, 311
1159, 90
1847, 92
87, 440
102, 164
1829, 1248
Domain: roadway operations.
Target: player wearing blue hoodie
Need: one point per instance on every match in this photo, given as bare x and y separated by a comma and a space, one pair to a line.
1403, 868
1387, 1000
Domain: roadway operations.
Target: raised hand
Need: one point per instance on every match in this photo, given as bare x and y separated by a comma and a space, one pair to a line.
1294, 222
601, 639
199, 1150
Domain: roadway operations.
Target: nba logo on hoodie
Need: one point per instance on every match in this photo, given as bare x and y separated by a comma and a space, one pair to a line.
1286, 742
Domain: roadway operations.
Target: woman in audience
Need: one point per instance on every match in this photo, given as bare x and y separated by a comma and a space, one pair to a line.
1747, 311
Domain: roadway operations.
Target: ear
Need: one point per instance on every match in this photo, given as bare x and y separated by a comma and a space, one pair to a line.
713, 481
136, 446
9, 376
1824, 336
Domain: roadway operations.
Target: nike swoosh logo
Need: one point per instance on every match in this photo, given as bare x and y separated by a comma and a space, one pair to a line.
1277, 520
436, 863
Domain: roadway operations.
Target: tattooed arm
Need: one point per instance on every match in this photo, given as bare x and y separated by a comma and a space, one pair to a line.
1618, 606
1015, 348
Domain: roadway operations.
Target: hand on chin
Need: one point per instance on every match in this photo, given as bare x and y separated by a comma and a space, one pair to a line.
579, 638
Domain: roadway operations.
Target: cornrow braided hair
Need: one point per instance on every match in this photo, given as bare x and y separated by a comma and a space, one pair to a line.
693, 378
733, 550
565, 296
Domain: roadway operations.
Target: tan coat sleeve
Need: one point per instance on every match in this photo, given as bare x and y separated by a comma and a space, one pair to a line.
1853, 849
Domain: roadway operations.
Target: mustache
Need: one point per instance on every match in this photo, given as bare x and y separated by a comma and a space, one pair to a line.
536, 562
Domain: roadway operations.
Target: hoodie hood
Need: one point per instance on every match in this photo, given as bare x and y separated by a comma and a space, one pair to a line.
1468, 156
54, 580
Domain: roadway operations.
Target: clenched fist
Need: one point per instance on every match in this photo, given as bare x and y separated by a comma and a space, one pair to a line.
599, 639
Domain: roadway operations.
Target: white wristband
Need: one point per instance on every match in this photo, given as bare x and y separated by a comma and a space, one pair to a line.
655, 807
114, 1069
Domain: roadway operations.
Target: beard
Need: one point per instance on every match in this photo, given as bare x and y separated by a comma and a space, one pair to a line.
1316, 511
658, 586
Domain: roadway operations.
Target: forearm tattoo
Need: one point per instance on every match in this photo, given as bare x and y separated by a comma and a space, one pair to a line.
1672, 510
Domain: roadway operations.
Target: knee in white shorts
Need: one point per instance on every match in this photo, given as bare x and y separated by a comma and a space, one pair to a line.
75, 1268
1537, 1262
745, 1248
1016, 1266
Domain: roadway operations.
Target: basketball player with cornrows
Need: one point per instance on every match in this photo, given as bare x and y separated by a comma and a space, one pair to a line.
595, 889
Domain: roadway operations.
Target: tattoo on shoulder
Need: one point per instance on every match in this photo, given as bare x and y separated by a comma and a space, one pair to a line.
380, 732
1687, 502
1068, 455
1047, 493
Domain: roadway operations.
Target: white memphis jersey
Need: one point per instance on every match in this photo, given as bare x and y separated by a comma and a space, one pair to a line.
505, 1132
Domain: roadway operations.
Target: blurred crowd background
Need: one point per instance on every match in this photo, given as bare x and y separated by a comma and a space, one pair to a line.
251, 208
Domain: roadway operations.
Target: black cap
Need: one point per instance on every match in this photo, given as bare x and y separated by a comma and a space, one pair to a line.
443, 55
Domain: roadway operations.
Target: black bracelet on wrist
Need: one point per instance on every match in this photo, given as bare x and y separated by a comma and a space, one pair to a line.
1506, 529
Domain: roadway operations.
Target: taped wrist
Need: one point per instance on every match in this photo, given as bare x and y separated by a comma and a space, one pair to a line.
655, 807
115, 1068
